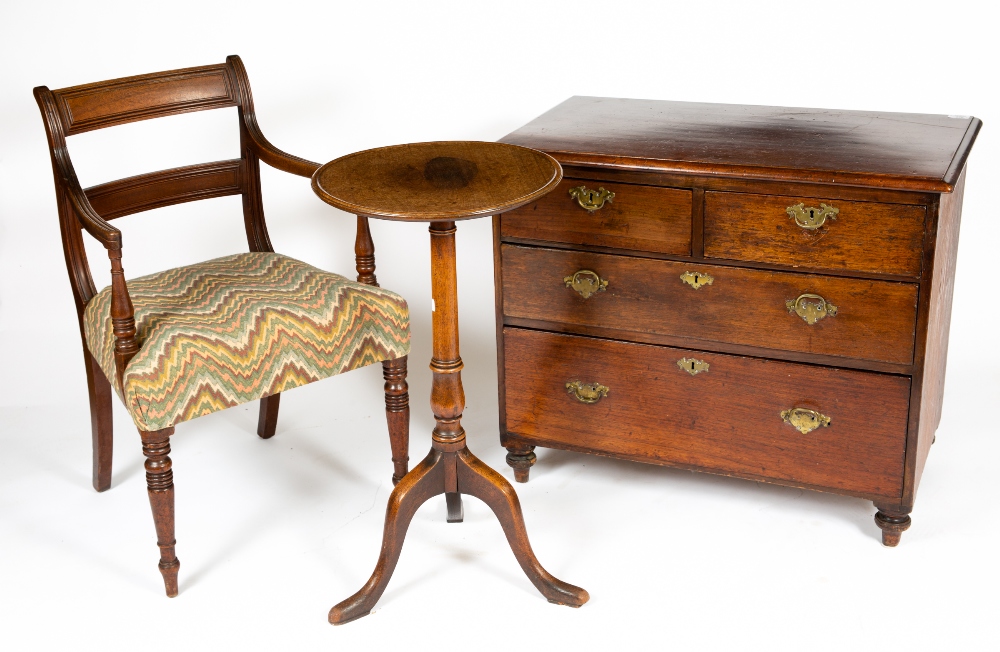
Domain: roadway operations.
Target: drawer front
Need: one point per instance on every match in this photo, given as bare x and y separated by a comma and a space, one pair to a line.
643, 218
873, 320
842, 235
729, 418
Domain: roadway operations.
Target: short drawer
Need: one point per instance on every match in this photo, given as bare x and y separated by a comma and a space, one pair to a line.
793, 423
789, 311
643, 218
815, 232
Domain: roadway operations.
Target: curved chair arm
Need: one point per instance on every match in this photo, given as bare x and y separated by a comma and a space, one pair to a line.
122, 310
261, 145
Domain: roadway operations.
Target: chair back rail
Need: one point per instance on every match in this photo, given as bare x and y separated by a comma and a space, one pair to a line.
119, 101
165, 188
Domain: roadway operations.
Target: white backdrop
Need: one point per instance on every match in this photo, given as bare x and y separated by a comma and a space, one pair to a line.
271, 534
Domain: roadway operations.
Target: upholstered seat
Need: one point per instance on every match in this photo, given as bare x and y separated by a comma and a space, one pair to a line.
235, 329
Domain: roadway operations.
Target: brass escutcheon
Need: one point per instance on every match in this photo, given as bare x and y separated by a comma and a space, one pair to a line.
804, 420
697, 279
586, 283
692, 366
591, 199
811, 308
811, 218
586, 392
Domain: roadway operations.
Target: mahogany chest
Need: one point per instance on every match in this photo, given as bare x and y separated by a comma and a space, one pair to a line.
759, 292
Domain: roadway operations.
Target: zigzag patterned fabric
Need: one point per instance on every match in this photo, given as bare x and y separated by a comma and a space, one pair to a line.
235, 329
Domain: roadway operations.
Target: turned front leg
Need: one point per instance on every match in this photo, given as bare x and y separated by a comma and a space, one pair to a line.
397, 414
160, 486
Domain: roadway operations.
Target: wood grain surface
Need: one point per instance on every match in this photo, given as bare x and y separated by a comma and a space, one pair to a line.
875, 320
439, 181
643, 218
862, 148
864, 236
725, 420
127, 99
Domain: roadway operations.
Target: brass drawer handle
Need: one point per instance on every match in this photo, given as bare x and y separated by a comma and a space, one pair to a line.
804, 420
811, 308
811, 218
697, 279
587, 392
591, 200
692, 366
586, 283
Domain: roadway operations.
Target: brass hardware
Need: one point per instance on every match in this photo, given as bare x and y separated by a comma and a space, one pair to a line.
811, 218
804, 420
591, 199
697, 279
586, 392
692, 366
811, 311
586, 283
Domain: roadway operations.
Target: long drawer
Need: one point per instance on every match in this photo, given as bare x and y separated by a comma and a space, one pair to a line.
643, 218
799, 424
815, 232
811, 313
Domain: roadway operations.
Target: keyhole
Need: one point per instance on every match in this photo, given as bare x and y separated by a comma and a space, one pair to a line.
812, 213
692, 366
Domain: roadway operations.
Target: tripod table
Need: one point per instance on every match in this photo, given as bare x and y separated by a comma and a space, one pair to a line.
440, 183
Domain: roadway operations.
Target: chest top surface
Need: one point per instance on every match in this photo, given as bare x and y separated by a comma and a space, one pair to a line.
902, 151
438, 181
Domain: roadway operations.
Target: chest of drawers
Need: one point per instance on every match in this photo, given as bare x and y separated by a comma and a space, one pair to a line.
753, 291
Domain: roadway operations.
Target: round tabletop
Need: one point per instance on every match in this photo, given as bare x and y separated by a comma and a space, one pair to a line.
442, 181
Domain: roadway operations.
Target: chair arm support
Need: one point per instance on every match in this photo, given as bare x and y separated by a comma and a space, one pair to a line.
122, 316
90, 220
122, 310
261, 146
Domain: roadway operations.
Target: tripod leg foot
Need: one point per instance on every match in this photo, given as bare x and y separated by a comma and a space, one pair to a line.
456, 514
423, 482
479, 480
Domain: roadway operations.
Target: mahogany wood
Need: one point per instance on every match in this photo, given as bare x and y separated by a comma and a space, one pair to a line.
901, 151
641, 218
397, 414
160, 487
397, 397
149, 191
516, 176
752, 185
864, 236
78, 109
942, 291
726, 419
875, 319
897, 180
267, 419
407, 182
119, 101
100, 393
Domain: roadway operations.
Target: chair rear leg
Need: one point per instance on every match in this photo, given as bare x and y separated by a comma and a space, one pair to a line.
267, 421
101, 430
160, 486
397, 414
